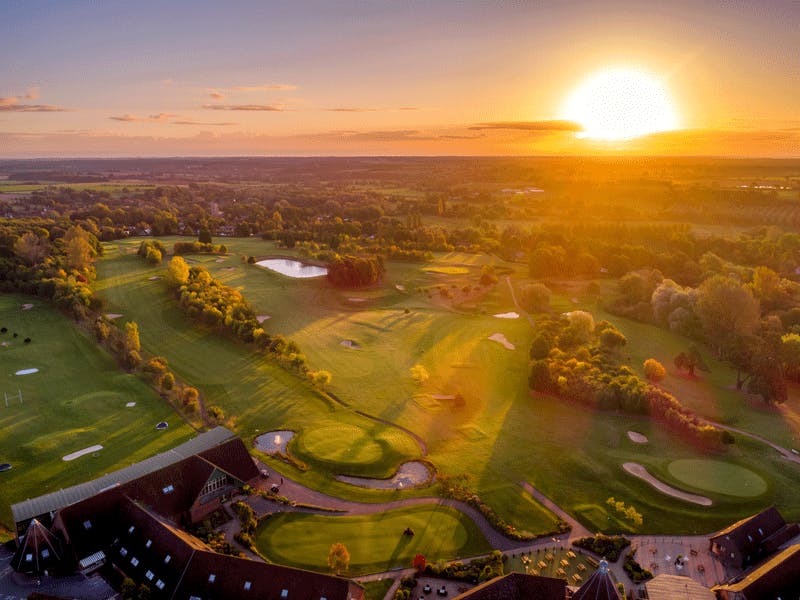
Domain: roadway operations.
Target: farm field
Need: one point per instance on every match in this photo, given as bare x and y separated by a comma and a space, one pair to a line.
501, 436
76, 399
376, 542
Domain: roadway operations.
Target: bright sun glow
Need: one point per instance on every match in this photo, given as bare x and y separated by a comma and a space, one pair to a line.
619, 104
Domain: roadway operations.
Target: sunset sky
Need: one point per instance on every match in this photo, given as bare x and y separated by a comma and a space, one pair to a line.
405, 77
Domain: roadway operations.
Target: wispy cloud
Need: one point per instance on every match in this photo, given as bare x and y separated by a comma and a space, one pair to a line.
363, 109
214, 124
159, 118
14, 106
223, 92
545, 125
248, 107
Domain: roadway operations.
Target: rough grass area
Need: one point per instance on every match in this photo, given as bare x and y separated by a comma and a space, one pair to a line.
376, 542
377, 590
76, 400
718, 476
501, 435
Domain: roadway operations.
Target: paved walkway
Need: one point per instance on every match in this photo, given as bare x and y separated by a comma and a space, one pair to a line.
785, 452
578, 530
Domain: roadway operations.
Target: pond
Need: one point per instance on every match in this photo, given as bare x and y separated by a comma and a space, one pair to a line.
292, 268
274, 441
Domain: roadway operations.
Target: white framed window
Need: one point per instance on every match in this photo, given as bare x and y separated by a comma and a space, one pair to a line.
160, 584
148, 543
87, 525
123, 551
135, 561
45, 553
212, 578
284, 593
168, 489
167, 558
247, 585
29, 558
131, 528
150, 575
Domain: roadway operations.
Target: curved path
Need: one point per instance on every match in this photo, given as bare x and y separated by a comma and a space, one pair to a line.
786, 453
317, 502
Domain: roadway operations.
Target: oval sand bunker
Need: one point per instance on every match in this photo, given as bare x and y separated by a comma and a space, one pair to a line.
508, 315
637, 438
80, 453
26, 371
641, 472
410, 474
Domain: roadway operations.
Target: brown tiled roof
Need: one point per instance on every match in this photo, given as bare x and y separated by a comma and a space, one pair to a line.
599, 586
233, 458
40, 550
745, 538
516, 586
777, 577
231, 576
669, 587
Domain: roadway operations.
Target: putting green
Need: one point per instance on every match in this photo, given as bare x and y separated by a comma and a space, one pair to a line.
342, 444
376, 542
447, 270
718, 476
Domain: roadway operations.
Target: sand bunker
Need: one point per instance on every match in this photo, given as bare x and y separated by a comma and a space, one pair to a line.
26, 371
130, 405
637, 438
262, 318
508, 315
502, 340
639, 471
443, 396
400, 287
350, 344
154, 278
357, 299
219, 260
273, 441
27, 306
80, 453
410, 474
112, 316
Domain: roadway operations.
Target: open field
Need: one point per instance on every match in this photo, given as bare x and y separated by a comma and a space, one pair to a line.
501, 436
76, 400
376, 542
21, 187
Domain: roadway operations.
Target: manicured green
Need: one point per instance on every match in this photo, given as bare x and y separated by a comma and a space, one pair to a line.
444, 270
376, 542
718, 476
76, 400
503, 434
349, 449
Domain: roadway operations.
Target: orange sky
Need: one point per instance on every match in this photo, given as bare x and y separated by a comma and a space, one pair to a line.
363, 78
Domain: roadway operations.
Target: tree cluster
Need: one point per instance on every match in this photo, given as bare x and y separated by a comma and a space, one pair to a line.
355, 271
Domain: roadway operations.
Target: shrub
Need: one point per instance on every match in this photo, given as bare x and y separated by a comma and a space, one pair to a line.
609, 547
654, 370
635, 571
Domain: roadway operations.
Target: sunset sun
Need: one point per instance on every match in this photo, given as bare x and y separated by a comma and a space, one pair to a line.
620, 104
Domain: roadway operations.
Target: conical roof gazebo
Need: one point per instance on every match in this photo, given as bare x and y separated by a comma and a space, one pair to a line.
38, 551
599, 586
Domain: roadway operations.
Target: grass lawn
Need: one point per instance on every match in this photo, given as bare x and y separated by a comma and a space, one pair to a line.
718, 476
376, 542
501, 436
77, 399
377, 590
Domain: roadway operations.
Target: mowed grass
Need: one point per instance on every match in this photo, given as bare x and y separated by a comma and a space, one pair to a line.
502, 436
376, 542
77, 399
255, 392
718, 476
